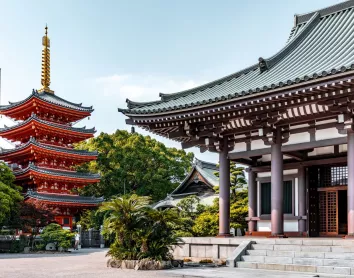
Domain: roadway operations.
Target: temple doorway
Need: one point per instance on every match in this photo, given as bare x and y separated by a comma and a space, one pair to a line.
328, 200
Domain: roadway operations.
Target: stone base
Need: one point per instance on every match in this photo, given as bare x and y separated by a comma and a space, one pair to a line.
224, 235
278, 236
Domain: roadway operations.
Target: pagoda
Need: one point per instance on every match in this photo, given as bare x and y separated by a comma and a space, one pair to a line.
44, 159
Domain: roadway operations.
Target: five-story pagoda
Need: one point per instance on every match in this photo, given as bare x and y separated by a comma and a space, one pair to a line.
44, 152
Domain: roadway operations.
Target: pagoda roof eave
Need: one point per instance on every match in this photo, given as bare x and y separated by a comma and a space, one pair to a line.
55, 125
50, 99
309, 56
64, 199
33, 142
66, 175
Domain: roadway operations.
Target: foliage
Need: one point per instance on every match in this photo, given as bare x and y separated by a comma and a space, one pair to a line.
133, 163
18, 246
237, 178
34, 216
10, 196
188, 209
139, 231
91, 219
53, 233
207, 223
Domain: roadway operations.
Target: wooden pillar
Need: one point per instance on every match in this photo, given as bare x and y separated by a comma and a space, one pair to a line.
252, 201
350, 192
224, 192
277, 216
302, 198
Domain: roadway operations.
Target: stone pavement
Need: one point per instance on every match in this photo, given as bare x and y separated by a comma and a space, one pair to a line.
91, 263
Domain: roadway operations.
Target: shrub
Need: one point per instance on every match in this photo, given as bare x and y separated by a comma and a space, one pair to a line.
53, 233
140, 232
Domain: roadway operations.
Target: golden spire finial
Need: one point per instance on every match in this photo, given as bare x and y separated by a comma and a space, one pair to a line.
45, 81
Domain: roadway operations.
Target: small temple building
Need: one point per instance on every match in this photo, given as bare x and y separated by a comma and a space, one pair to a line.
289, 118
44, 157
200, 181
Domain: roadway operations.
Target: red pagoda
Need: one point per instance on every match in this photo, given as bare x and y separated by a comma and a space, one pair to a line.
44, 155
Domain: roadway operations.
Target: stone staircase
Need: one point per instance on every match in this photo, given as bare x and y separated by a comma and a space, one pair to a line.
301, 255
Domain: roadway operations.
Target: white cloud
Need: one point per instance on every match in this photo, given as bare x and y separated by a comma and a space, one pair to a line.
141, 87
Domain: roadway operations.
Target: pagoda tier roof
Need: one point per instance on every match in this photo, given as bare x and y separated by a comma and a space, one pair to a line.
320, 47
64, 198
69, 176
47, 125
49, 98
59, 151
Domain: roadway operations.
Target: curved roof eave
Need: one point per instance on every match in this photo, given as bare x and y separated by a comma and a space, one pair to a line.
34, 142
292, 65
51, 99
60, 126
59, 173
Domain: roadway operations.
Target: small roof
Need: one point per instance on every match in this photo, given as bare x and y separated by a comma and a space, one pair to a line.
60, 126
321, 44
34, 142
59, 173
49, 98
63, 198
205, 169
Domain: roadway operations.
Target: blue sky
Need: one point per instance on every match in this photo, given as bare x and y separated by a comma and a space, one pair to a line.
105, 51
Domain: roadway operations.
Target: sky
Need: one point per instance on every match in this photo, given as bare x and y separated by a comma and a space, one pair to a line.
103, 52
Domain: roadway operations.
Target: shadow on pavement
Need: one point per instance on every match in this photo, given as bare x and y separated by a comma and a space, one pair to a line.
80, 252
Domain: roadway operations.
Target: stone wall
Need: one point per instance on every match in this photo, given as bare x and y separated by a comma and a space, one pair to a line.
206, 248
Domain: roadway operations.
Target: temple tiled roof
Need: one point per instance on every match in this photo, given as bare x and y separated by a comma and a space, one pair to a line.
205, 169
69, 174
62, 198
60, 126
34, 142
50, 98
320, 45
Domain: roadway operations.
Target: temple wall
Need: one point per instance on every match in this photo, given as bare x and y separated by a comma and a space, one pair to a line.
289, 226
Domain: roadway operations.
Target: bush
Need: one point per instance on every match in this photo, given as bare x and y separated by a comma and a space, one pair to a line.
139, 231
53, 233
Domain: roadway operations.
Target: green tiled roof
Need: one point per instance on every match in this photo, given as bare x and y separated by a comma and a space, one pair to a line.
205, 169
50, 98
321, 44
63, 198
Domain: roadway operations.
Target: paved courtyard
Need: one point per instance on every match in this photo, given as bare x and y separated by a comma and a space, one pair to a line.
91, 263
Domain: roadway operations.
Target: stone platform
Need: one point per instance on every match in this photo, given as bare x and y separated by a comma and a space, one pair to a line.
331, 256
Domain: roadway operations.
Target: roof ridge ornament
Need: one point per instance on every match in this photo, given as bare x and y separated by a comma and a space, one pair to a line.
263, 66
45, 77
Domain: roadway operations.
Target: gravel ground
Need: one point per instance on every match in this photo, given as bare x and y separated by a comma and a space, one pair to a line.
91, 263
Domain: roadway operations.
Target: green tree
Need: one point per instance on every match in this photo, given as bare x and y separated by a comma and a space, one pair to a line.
139, 231
53, 233
207, 223
133, 163
10, 196
237, 178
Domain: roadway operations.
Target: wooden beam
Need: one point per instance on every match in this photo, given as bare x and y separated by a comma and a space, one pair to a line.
294, 165
290, 148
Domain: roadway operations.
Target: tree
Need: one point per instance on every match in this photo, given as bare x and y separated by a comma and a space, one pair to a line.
140, 231
34, 216
10, 196
53, 233
207, 223
237, 178
133, 163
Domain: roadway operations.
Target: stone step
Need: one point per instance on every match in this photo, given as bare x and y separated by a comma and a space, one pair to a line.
255, 259
256, 252
311, 242
298, 268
